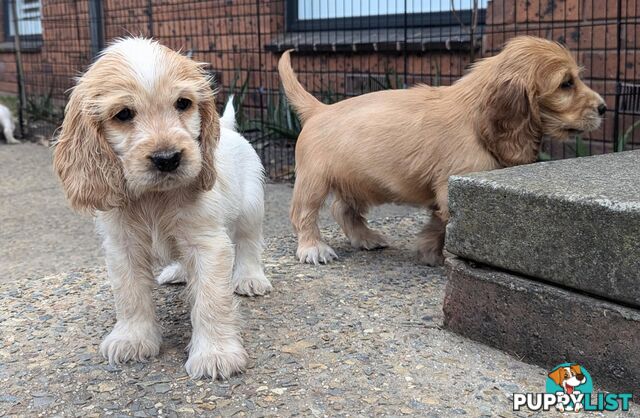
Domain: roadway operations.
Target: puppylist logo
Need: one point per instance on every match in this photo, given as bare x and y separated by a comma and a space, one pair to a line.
569, 388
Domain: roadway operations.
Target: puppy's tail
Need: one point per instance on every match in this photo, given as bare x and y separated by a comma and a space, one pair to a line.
228, 119
305, 104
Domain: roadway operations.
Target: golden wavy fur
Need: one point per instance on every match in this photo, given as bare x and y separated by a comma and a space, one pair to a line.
401, 146
92, 175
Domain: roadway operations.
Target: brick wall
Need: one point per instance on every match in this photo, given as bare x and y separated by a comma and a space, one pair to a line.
225, 34
64, 51
222, 33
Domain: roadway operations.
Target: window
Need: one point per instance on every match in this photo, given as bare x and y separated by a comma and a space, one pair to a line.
29, 18
358, 14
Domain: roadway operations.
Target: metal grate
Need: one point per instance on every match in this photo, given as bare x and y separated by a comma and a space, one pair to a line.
344, 48
629, 98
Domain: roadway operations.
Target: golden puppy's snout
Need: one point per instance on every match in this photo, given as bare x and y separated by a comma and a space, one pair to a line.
599, 110
597, 103
602, 109
594, 109
166, 161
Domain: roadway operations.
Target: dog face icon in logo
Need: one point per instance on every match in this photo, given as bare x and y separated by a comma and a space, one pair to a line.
572, 379
568, 377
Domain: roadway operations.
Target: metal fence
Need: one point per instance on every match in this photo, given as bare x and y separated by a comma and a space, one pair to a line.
345, 48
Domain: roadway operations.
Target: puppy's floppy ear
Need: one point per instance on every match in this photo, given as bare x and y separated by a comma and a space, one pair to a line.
89, 170
511, 127
557, 375
209, 136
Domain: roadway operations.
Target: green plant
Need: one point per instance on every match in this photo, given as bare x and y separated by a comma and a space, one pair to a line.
628, 133
42, 108
280, 119
544, 156
329, 96
11, 102
437, 77
239, 94
391, 80
582, 149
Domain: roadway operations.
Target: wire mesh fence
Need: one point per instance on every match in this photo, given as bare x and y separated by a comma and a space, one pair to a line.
344, 48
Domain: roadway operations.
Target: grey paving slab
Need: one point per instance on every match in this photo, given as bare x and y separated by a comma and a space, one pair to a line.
574, 222
542, 323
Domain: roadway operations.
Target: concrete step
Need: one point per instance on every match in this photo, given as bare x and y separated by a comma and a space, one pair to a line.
572, 222
543, 324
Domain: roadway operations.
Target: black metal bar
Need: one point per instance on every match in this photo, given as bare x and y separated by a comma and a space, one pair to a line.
616, 114
96, 26
149, 12
22, 94
260, 68
405, 57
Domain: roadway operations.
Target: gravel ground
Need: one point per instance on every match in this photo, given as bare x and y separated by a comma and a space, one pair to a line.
39, 234
359, 337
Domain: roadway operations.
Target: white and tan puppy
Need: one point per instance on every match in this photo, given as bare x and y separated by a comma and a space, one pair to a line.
6, 120
174, 190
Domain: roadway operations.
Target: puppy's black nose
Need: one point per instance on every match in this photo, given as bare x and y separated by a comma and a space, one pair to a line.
602, 109
166, 161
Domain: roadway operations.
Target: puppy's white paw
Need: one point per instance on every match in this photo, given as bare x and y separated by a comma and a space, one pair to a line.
174, 273
13, 141
254, 285
131, 341
372, 241
205, 361
430, 256
315, 254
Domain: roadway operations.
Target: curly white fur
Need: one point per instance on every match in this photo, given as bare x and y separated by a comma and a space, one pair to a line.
6, 120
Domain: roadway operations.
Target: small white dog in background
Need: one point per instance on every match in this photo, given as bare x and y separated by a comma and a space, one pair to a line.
6, 120
175, 190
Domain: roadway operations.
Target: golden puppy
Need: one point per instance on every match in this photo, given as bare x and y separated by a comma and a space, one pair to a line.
401, 146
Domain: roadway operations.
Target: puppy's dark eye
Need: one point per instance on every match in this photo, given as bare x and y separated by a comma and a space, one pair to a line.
183, 104
567, 84
124, 115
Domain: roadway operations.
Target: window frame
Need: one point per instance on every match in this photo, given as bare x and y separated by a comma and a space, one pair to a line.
8, 37
442, 18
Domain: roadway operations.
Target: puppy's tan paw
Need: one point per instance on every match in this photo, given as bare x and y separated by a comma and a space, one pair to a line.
131, 341
206, 361
431, 257
316, 254
174, 273
256, 285
372, 241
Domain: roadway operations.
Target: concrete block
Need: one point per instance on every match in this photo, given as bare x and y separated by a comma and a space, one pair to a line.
573, 222
543, 324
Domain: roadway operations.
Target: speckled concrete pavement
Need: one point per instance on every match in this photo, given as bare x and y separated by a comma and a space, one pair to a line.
359, 337
39, 235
